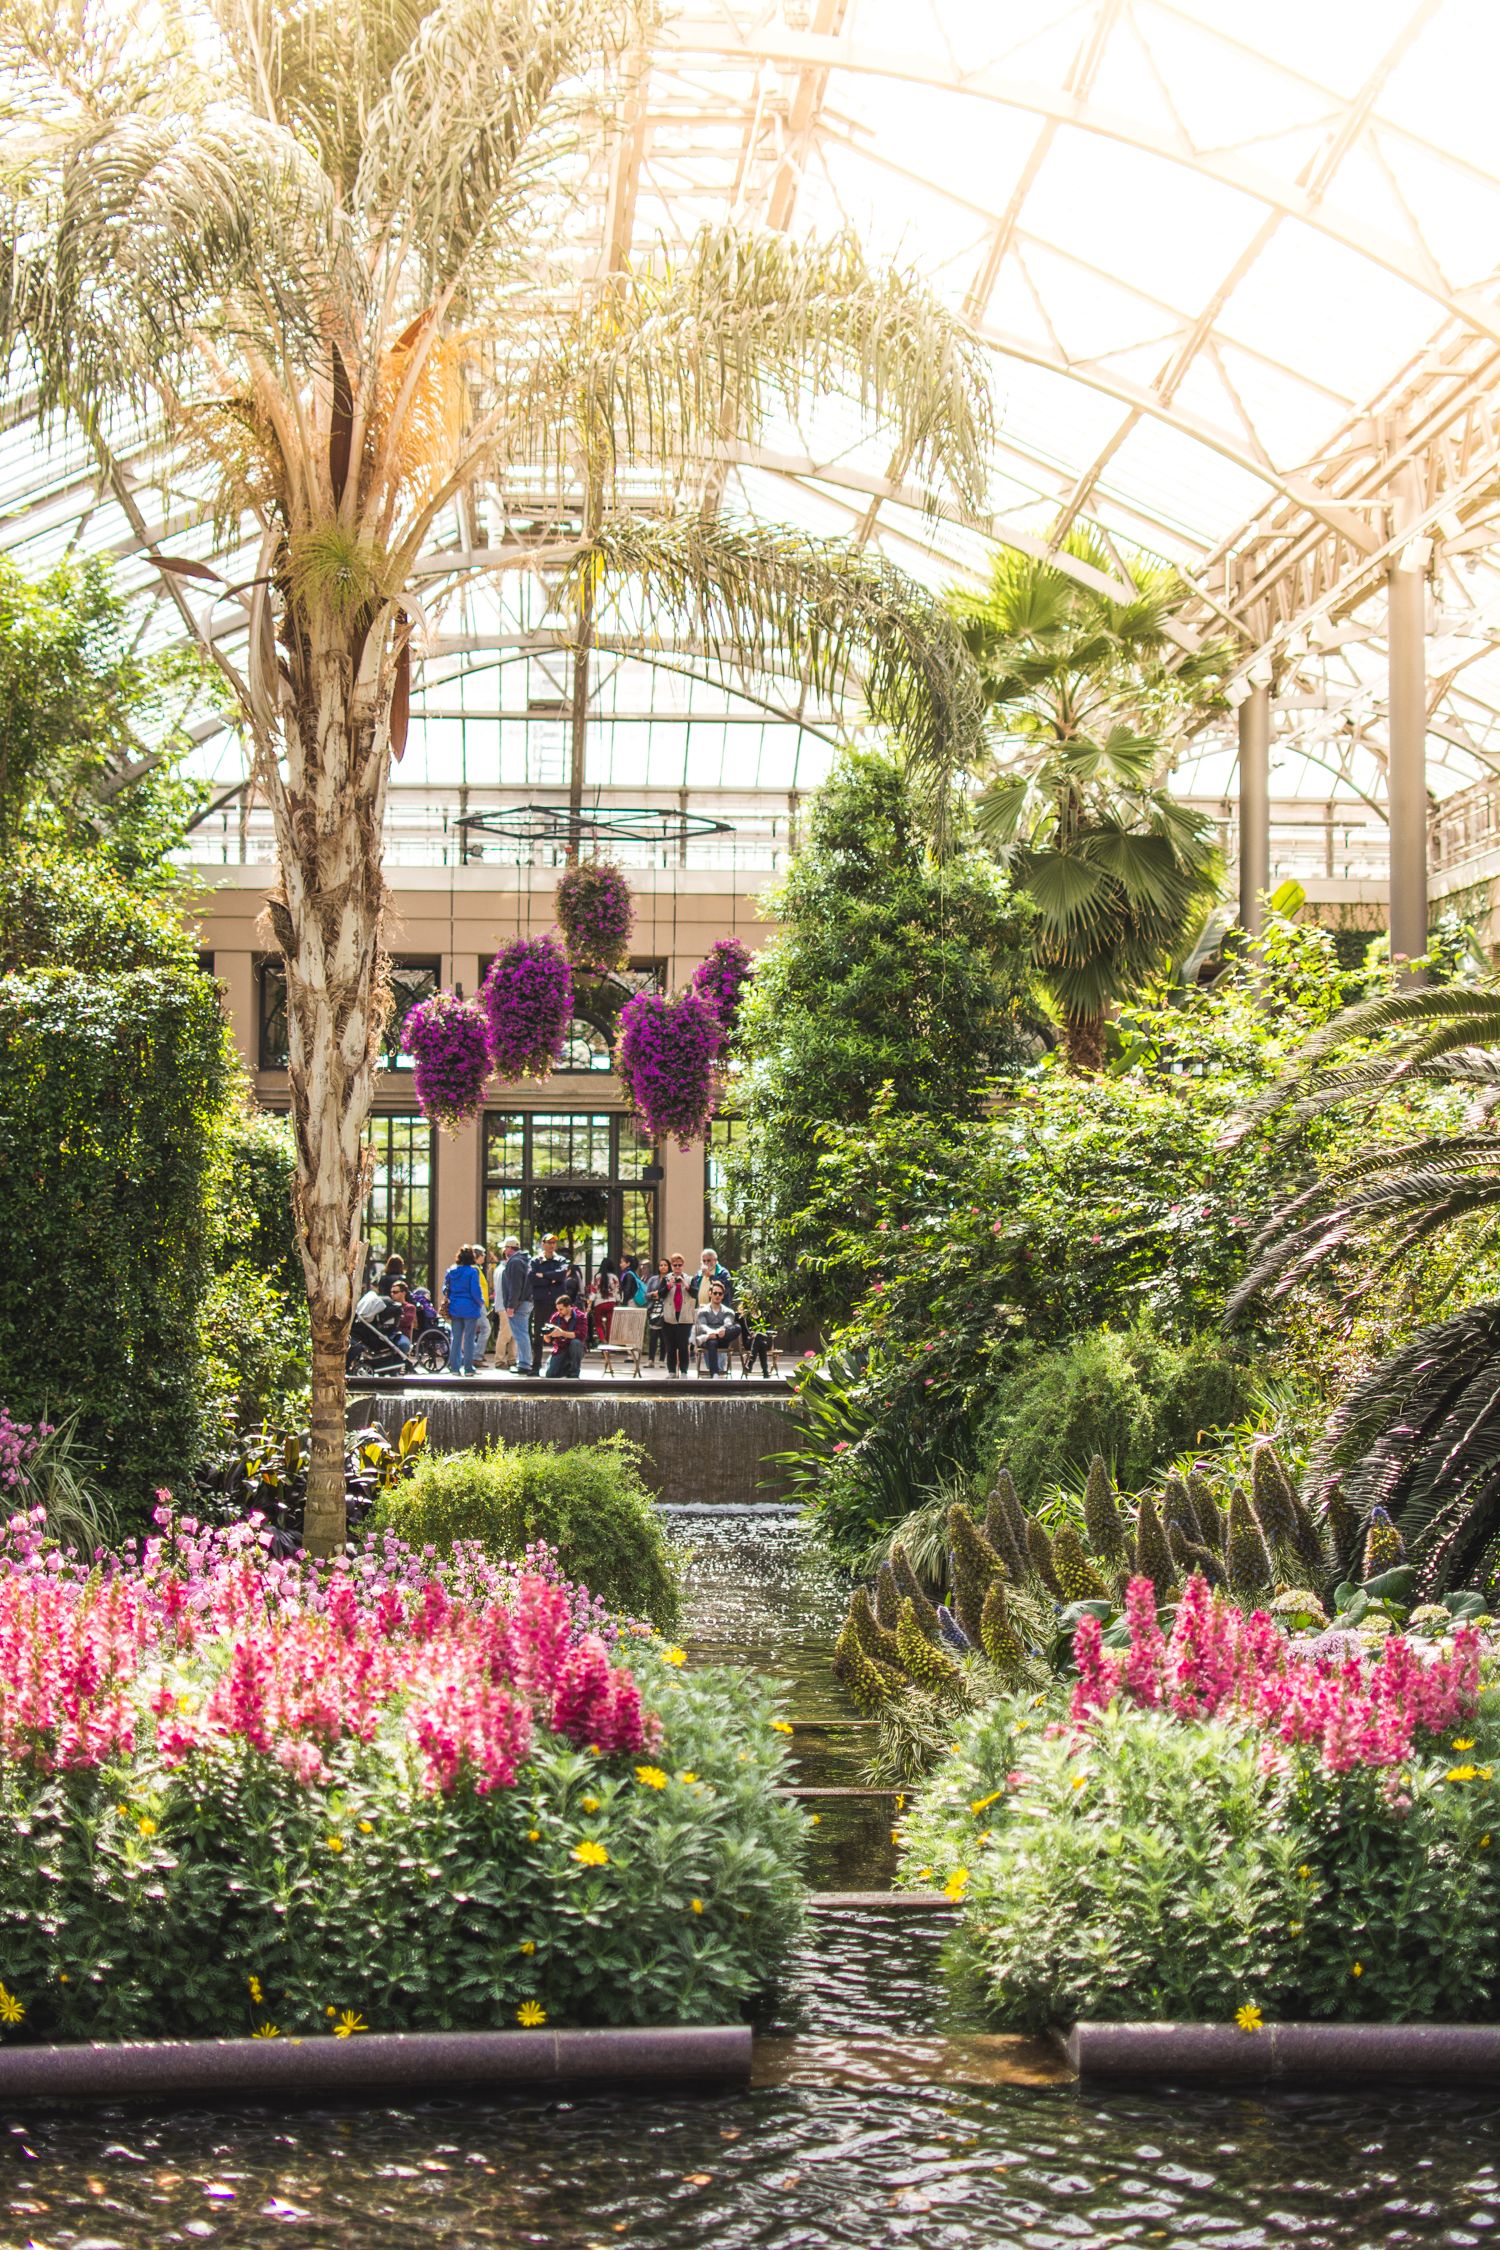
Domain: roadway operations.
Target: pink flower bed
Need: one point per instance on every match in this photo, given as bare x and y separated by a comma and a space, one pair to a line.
1217, 1661
205, 1643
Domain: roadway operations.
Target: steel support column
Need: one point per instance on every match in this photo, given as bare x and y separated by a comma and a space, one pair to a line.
1255, 808
1406, 782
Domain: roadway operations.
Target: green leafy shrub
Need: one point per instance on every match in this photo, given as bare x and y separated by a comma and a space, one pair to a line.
1154, 1869
589, 1502
111, 1090
222, 1894
1130, 1395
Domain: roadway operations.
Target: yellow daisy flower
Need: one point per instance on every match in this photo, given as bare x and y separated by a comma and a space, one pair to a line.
685, 1776
591, 1804
528, 1945
533, 1835
335, 1843
265, 2031
780, 1726
349, 2022
957, 1883
1249, 2017
11, 2010
367, 1828
651, 1777
1463, 1742
674, 1655
146, 1825
530, 2014
696, 1904
1461, 1773
590, 1854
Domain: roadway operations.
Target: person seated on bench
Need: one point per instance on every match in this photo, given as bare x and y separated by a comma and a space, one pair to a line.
754, 1335
716, 1328
564, 1336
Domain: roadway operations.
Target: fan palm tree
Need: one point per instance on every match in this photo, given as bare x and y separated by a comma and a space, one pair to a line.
335, 258
1084, 709
1420, 1434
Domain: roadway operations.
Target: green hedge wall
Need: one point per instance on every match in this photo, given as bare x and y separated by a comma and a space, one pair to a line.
111, 1094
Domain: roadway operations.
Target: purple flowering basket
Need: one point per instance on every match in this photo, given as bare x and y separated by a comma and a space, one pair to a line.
449, 1039
721, 977
597, 913
667, 1056
528, 1003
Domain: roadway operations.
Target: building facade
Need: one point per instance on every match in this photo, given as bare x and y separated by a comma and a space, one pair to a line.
564, 1156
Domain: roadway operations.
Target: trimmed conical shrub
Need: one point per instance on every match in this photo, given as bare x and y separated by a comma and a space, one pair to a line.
1249, 1560
1385, 1548
1212, 1522
1101, 1514
868, 1683
1076, 1575
1273, 1495
868, 1630
1153, 1557
1005, 1525
1341, 1528
887, 1599
1188, 1555
1039, 1556
974, 1563
909, 1589
997, 1635
1304, 1546
927, 1662
1177, 1509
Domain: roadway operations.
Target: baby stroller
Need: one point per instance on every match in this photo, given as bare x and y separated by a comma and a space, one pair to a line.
429, 1346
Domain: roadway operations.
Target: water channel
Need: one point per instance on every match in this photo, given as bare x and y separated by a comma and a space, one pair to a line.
878, 2116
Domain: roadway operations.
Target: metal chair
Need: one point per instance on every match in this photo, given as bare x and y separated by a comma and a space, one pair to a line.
627, 1337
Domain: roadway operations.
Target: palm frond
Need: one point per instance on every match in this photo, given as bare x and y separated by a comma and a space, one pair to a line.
778, 601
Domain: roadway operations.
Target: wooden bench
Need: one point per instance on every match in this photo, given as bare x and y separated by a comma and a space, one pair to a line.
627, 1338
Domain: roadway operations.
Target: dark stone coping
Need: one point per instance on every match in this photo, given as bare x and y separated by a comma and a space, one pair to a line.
1288, 2053
147, 2070
881, 1902
588, 1385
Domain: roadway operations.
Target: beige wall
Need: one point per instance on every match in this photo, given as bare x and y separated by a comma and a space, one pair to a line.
459, 916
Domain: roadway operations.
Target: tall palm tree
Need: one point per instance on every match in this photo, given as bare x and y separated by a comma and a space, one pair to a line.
1086, 698
1420, 1434
334, 255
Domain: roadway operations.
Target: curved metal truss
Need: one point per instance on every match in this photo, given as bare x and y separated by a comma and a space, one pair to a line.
558, 828
1242, 293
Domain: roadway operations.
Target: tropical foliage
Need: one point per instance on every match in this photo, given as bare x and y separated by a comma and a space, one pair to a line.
897, 985
489, 1808
1225, 1830
331, 256
1419, 1436
1087, 697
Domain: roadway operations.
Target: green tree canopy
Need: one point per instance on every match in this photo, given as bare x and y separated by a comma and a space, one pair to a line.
891, 970
1087, 697
88, 726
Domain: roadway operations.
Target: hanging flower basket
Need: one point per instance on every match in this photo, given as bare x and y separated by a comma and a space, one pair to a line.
721, 977
528, 1003
450, 1041
566, 1208
597, 914
668, 1061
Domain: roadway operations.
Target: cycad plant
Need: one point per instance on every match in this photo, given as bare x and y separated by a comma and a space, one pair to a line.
1419, 1436
1086, 698
341, 265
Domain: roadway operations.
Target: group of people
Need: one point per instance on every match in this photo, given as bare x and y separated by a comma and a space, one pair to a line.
542, 1316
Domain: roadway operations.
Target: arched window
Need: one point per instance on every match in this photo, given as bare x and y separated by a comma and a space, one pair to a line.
587, 1047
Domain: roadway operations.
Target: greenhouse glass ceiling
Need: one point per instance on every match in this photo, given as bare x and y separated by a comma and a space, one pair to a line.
1237, 272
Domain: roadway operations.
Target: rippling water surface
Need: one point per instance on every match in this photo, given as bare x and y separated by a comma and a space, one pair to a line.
878, 2118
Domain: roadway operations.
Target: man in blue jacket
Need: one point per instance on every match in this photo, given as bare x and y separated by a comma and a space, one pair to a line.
463, 1302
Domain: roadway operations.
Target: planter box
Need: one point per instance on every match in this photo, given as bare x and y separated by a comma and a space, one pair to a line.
712, 2056
1289, 2054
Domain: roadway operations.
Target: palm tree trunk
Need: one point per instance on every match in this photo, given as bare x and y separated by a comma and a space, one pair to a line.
1083, 1037
327, 917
